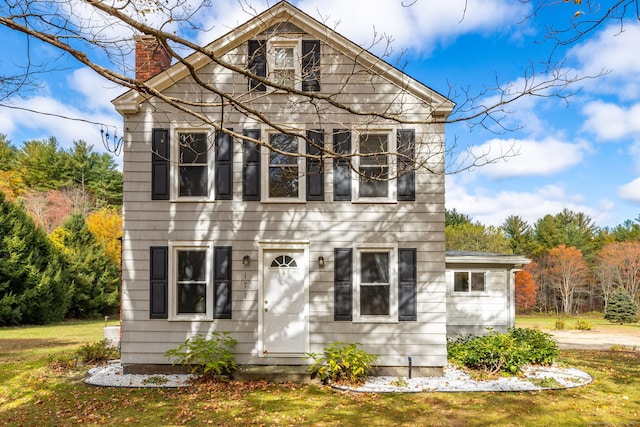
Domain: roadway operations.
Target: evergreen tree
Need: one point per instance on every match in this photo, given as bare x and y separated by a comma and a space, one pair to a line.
95, 277
621, 308
33, 275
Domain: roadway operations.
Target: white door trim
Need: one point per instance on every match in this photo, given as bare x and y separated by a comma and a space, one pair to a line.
265, 248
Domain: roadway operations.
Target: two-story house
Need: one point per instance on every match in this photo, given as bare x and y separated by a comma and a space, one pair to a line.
290, 218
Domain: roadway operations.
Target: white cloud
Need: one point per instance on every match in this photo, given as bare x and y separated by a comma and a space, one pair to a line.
610, 121
528, 157
420, 26
630, 191
75, 116
493, 207
611, 50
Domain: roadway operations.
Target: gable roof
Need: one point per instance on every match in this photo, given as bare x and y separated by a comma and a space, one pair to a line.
284, 12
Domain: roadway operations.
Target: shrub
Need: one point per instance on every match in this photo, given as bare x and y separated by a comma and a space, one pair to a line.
559, 326
621, 309
342, 363
503, 352
543, 348
98, 352
208, 357
583, 325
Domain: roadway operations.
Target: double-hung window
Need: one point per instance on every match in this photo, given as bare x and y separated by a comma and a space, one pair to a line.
284, 61
469, 281
288, 62
194, 163
376, 290
284, 169
191, 293
375, 167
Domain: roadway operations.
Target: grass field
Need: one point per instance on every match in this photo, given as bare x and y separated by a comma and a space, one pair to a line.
37, 391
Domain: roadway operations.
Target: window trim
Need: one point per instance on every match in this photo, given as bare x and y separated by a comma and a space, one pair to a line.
392, 196
175, 165
392, 250
174, 247
264, 172
469, 291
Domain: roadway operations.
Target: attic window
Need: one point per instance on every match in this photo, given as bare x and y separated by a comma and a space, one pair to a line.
288, 62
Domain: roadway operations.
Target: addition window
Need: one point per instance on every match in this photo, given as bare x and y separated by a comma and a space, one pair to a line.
374, 167
191, 293
375, 293
469, 281
194, 165
285, 169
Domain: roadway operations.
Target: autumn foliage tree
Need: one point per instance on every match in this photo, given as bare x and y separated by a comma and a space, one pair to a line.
525, 290
106, 226
618, 266
567, 273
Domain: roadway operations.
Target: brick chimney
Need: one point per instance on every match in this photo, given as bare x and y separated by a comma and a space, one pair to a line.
151, 57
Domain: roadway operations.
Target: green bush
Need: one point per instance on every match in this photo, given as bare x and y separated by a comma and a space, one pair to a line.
559, 325
583, 325
503, 352
208, 357
342, 363
543, 348
98, 352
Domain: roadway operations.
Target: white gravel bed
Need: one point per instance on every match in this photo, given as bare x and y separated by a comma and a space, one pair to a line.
453, 380
456, 380
111, 375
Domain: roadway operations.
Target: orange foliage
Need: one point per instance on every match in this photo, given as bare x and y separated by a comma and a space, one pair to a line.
567, 272
618, 265
106, 226
526, 290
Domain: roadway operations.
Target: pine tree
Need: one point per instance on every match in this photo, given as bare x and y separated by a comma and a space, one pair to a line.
95, 278
621, 309
32, 273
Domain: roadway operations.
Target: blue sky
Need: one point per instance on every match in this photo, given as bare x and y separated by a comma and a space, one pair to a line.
582, 155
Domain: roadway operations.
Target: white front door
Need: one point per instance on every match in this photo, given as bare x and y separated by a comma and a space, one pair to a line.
284, 319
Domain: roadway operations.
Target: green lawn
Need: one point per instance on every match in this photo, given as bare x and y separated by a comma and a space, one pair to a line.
35, 392
548, 322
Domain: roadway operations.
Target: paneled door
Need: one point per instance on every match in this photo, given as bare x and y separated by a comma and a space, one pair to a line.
284, 322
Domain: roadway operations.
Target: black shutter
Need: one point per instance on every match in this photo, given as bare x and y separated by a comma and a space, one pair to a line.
311, 65
341, 167
407, 285
315, 167
342, 284
160, 164
257, 64
406, 165
224, 166
251, 166
159, 282
222, 282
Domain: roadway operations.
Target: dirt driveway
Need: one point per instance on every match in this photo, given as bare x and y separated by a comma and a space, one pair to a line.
594, 340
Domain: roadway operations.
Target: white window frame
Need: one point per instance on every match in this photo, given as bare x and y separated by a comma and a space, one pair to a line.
174, 247
391, 166
284, 43
392, 250
469, 291
175, 165
264, 172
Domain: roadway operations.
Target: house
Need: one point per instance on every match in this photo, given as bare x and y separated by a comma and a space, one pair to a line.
288, 220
